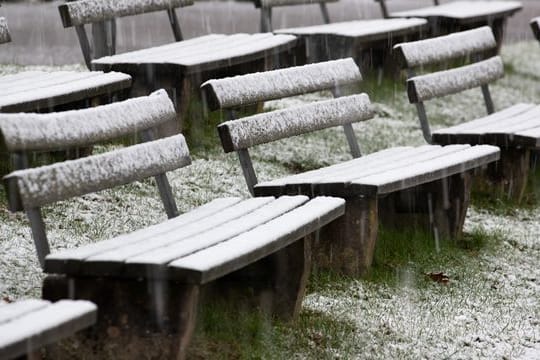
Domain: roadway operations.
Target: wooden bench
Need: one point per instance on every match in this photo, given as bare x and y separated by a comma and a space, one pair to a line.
146, 284
461, 15
535, 26
368, 41
515, 129
44, 91
179, 67
28, 325
373, 185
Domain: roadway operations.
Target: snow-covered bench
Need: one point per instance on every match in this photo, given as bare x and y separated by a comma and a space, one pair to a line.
368, 40
535, 26
146, 284
455, 16
28, 325
516, 130
181, 66
372, 185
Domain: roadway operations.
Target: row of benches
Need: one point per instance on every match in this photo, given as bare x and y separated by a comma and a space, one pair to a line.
213, 246
369, 184
182, 66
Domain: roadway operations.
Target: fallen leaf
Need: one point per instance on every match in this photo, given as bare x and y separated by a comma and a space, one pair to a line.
439, 277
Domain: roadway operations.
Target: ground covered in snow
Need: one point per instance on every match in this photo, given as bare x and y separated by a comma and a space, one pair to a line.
489, 308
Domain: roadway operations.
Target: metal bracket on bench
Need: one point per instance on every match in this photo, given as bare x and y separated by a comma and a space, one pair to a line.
164, 187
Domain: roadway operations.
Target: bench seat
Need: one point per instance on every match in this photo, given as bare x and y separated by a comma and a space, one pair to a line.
383, 172
516, 126
360, 30
39, 90
464, 11
28, 325
204, 244
204, 53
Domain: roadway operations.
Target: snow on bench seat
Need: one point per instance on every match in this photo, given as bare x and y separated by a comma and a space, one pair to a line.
501, 128
149, 252
4, 31
398, 170
535, 26
464, 10
456, 45
211, 263
361, 30
203, 53
251, 88
28, 325
34, 90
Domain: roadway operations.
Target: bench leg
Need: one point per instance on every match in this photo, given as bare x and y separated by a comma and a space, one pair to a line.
347, 244
150, 319
438, 207
274, 285
508, 176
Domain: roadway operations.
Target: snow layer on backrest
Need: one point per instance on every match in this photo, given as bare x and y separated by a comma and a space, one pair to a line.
30, 132
271, 3
429, 51
90, 11
271, 126
4, 31
60, 181
276, 84
425, 87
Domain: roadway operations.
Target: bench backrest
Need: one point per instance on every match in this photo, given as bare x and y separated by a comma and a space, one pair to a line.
29, 189
535, 26
102, 14
472, 45
267, 5
4, 31
240, 134
384, 7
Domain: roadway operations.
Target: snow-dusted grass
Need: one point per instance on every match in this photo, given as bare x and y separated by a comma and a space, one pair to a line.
490, 308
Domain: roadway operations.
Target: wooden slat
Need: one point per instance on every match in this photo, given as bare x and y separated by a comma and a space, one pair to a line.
193, 55
535, 26
385, 174
4, 31
44, 185
271, 126
252, 88
13, 311
68, 261
464, 11
528, 138
45, 326
34, 132
112, 261
361, 30
216, 261
150, 259
91, 11
51, 89
273, 3
443, 48
441, 83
